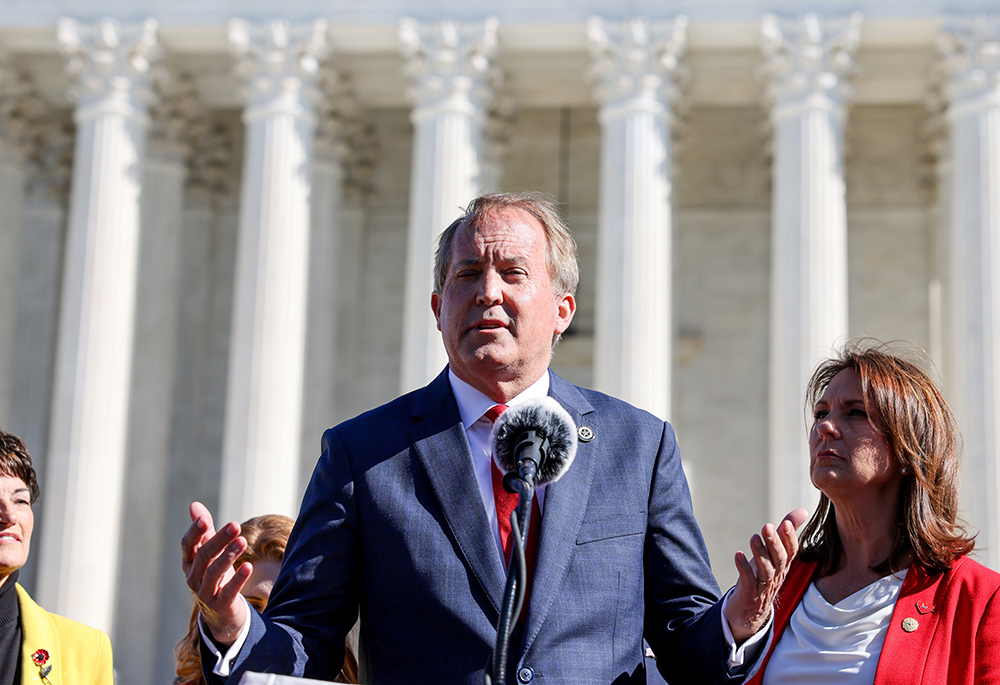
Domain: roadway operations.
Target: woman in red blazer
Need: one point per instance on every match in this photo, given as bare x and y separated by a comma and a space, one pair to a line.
882, 591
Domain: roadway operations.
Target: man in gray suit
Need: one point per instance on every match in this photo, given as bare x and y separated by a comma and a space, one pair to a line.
399, 519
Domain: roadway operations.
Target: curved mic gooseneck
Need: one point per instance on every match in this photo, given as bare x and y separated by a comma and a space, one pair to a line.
533, 444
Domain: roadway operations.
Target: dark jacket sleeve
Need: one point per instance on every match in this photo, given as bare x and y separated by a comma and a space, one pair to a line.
683, 610
314, 601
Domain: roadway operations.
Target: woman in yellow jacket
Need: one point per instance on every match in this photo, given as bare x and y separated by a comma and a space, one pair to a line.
36, 647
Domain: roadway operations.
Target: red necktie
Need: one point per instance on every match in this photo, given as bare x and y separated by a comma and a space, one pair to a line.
505, 503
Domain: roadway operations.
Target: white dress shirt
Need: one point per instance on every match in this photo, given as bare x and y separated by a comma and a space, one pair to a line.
472, 406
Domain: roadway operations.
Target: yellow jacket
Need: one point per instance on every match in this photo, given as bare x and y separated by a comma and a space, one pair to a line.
77, 654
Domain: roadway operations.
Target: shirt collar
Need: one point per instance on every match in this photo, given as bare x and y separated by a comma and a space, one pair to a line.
472, 404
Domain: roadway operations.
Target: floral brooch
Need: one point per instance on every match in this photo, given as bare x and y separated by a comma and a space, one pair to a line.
41, 658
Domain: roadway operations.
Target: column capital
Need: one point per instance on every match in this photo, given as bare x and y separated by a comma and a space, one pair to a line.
280, 62
970, 61
637, 62
448, 63
111, 63
808, 61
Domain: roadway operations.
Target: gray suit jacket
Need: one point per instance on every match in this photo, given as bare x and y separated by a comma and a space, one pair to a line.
393, 523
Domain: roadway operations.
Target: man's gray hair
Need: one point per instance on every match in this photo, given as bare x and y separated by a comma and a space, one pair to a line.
563, 268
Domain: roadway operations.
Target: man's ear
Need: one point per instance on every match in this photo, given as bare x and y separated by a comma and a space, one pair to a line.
565, 309
436, 308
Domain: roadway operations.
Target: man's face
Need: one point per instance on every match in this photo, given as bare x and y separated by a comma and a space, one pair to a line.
497, 311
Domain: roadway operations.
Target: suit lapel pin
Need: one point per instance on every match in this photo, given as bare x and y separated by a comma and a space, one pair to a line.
925, 607
585, 433
41, 657
910, 624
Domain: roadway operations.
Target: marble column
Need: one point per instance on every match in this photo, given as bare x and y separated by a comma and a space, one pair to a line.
87, 442
972, 91
635, 74
448, 64
337, 116
153, 377
808, 60
280, 62
13, 90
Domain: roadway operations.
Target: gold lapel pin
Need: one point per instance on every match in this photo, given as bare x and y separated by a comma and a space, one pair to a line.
910, 624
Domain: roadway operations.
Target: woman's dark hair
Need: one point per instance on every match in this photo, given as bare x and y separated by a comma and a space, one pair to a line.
923, 435
16, 462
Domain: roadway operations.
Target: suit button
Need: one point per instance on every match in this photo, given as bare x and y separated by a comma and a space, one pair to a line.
524, 675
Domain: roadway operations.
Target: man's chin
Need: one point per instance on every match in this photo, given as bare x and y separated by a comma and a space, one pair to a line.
490, 359
490, 352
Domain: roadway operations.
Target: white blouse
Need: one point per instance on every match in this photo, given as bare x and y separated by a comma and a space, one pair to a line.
835, 643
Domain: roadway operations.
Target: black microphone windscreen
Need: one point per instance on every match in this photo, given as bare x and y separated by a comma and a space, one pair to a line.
547, 418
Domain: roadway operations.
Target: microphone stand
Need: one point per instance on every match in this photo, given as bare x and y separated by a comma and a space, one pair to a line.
513, 595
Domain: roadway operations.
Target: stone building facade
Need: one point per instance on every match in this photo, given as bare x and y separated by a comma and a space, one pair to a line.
218, 222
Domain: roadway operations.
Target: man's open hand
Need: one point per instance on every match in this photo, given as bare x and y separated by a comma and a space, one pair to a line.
207, 558
749, 606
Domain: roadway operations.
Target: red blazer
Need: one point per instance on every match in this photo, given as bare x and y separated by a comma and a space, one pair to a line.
956, 639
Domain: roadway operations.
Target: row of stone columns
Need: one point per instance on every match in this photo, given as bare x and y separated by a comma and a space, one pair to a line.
100, 324
289, 190
809, 62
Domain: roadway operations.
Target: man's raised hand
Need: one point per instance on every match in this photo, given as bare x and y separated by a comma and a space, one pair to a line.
207, 558
749, 606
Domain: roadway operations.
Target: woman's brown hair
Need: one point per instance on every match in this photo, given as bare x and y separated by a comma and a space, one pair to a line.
923, 435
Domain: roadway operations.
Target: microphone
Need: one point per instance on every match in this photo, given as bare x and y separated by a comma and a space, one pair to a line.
533, 444
540, 431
